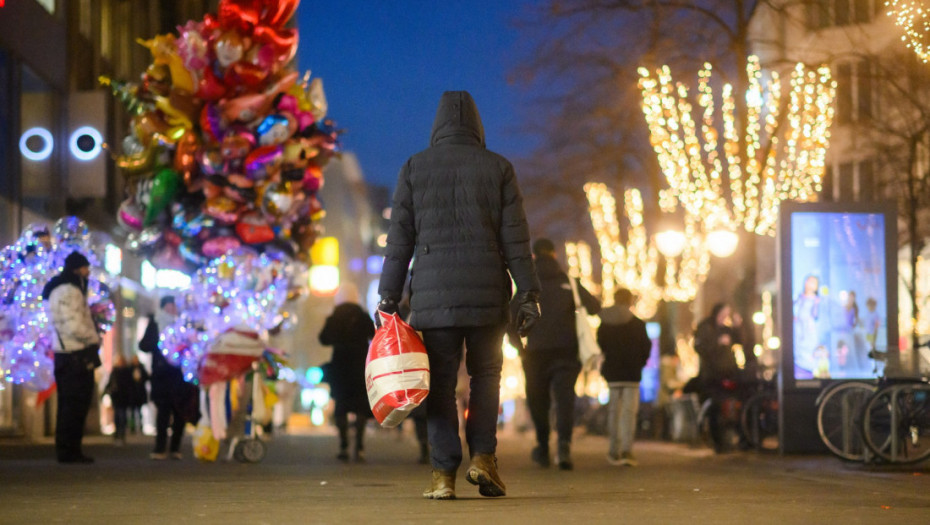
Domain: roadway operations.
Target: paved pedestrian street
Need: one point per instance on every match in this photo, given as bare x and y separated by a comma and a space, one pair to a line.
301, 481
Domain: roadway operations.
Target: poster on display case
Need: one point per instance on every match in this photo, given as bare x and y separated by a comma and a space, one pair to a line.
837, 272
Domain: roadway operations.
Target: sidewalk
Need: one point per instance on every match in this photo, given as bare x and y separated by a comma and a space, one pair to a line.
300, 481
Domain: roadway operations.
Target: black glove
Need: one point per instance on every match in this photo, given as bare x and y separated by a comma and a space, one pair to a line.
387, 305
528, 312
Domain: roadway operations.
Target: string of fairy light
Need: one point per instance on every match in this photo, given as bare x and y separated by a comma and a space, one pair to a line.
635, 264
789, 167
913, 17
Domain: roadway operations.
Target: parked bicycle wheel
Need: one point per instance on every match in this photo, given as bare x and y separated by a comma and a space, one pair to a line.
759, 421
839, 411
896, 423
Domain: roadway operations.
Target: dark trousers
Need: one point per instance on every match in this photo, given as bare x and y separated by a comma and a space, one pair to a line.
120, 417
548, 380
168, 413
483, 361
341, 417
75, 383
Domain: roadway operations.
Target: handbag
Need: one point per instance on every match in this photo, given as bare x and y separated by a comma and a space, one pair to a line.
589, 352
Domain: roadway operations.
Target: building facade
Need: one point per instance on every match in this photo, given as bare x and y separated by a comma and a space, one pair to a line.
54, 121
880, 140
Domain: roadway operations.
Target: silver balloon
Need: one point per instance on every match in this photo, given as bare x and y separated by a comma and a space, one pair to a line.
70, 231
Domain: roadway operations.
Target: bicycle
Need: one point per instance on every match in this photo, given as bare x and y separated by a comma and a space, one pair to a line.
759, 416
896, 421
839, 413
839, 410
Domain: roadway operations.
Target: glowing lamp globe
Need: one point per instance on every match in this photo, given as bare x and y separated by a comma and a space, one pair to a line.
670, 243
722, 243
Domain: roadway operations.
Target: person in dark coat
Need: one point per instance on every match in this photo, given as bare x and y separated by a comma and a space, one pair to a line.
550, 356
76, 342
349, 331
625, 346
458, 213
170, 393
139, 394
719, 376
120, 389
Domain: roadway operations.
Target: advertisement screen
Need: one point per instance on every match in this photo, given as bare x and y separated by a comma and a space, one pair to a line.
838, 293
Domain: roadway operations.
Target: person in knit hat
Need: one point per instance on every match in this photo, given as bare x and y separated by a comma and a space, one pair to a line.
76, 342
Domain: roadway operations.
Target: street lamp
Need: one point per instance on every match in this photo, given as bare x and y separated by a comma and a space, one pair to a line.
670, 242
722, 243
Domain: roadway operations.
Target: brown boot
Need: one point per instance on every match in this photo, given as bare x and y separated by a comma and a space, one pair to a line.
443, 486
483, 472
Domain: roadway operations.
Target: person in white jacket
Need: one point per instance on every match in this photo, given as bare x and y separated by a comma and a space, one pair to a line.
76, 342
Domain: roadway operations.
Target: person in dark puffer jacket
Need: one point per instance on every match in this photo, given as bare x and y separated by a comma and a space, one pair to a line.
550, 357
625, 345
458, 213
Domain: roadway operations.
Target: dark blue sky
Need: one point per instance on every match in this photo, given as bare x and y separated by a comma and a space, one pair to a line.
384, 66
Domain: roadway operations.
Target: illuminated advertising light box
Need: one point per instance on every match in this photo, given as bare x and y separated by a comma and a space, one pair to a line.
837, 276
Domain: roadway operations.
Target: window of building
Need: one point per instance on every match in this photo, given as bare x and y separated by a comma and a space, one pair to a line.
826, 191
863, 90
854, 92
841, 12
867, 189
829, 13
863, 11
844, 93
847, 182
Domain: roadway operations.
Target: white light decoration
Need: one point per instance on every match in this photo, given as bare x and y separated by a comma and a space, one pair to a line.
708, 174
722, 243
42, 154
914, 18
85, 154
670, 242
635, 265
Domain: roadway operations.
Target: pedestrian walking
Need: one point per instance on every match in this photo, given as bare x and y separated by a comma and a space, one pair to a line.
550, 357
349, 331
120, 388
458, 213
76, 342
625, 346
173, 397
140, 395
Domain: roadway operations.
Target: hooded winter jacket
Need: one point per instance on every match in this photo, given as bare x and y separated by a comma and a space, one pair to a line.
458, 213
73, 326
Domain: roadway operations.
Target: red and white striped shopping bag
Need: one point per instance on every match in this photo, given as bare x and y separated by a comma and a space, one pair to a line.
396, 371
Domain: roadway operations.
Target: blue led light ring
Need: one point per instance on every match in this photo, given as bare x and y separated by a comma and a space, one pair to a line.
43, 153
